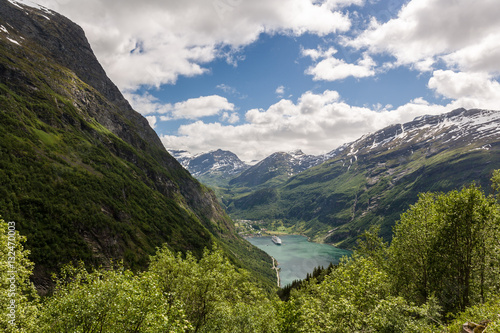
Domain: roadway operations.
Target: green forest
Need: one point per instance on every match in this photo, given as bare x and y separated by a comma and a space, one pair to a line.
439, 273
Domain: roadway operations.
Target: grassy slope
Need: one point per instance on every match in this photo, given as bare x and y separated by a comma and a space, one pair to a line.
70, 185
334, 203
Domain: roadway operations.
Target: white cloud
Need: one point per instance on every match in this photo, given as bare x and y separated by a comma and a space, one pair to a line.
147, 104
318, 53
463, 33
343, 3
479, 57
469, 90
152, 121
152, 42
317, 123
280, 91
192, 108
204, 106
231, 118
332, 69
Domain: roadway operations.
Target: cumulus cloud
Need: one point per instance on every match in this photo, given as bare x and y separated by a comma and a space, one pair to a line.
192, 108
427, 30
478, 57
332, 69
152, 42
316, 123
204, 106
469, 90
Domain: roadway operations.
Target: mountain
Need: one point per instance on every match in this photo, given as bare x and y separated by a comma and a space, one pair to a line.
82, 174
276, 168
214, 168
219, 161
222, 168
375, 178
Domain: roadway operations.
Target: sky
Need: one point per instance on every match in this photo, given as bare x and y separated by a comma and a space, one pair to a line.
261, 76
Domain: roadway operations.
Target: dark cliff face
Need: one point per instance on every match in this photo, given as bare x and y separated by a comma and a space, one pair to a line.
82, 173
65, 43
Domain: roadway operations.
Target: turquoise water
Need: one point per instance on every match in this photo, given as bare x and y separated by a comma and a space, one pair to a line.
297, 257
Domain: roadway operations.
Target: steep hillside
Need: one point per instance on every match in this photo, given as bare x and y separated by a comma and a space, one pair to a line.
81, 173
374, 179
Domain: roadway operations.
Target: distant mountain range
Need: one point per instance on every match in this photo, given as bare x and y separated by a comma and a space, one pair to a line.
334, 197
222, 167
276, 168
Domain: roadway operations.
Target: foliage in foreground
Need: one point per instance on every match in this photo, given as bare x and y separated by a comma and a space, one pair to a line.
356, 297
175, 295
442, 267
447, 245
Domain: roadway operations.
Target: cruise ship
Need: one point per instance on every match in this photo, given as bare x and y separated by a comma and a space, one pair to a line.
276, 240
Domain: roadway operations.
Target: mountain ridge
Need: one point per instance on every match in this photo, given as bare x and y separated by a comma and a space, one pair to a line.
276, 168
214, 161
375, 178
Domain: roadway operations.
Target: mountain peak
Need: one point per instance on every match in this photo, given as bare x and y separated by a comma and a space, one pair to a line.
296, 152
216, 162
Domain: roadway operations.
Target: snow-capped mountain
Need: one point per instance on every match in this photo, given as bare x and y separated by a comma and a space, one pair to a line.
376, 178
428, 134
218, 162
278, 166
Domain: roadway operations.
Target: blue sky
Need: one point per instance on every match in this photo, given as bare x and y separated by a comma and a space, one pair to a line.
260, 76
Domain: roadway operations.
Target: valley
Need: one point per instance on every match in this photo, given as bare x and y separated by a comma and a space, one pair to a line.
104, 229
371, 181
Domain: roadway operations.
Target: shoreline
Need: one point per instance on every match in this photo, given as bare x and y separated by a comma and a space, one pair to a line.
299, 259
278, 233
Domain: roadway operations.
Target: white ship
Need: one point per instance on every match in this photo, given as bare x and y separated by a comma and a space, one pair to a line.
276, 240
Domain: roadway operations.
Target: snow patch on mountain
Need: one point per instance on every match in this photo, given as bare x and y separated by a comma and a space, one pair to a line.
460, 124
218, 161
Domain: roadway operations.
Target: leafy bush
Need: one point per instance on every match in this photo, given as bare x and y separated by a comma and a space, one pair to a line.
356, 297
487, 314
447, 245
109, 301
18, 298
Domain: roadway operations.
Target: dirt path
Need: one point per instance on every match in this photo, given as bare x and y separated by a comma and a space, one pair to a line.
276, 268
